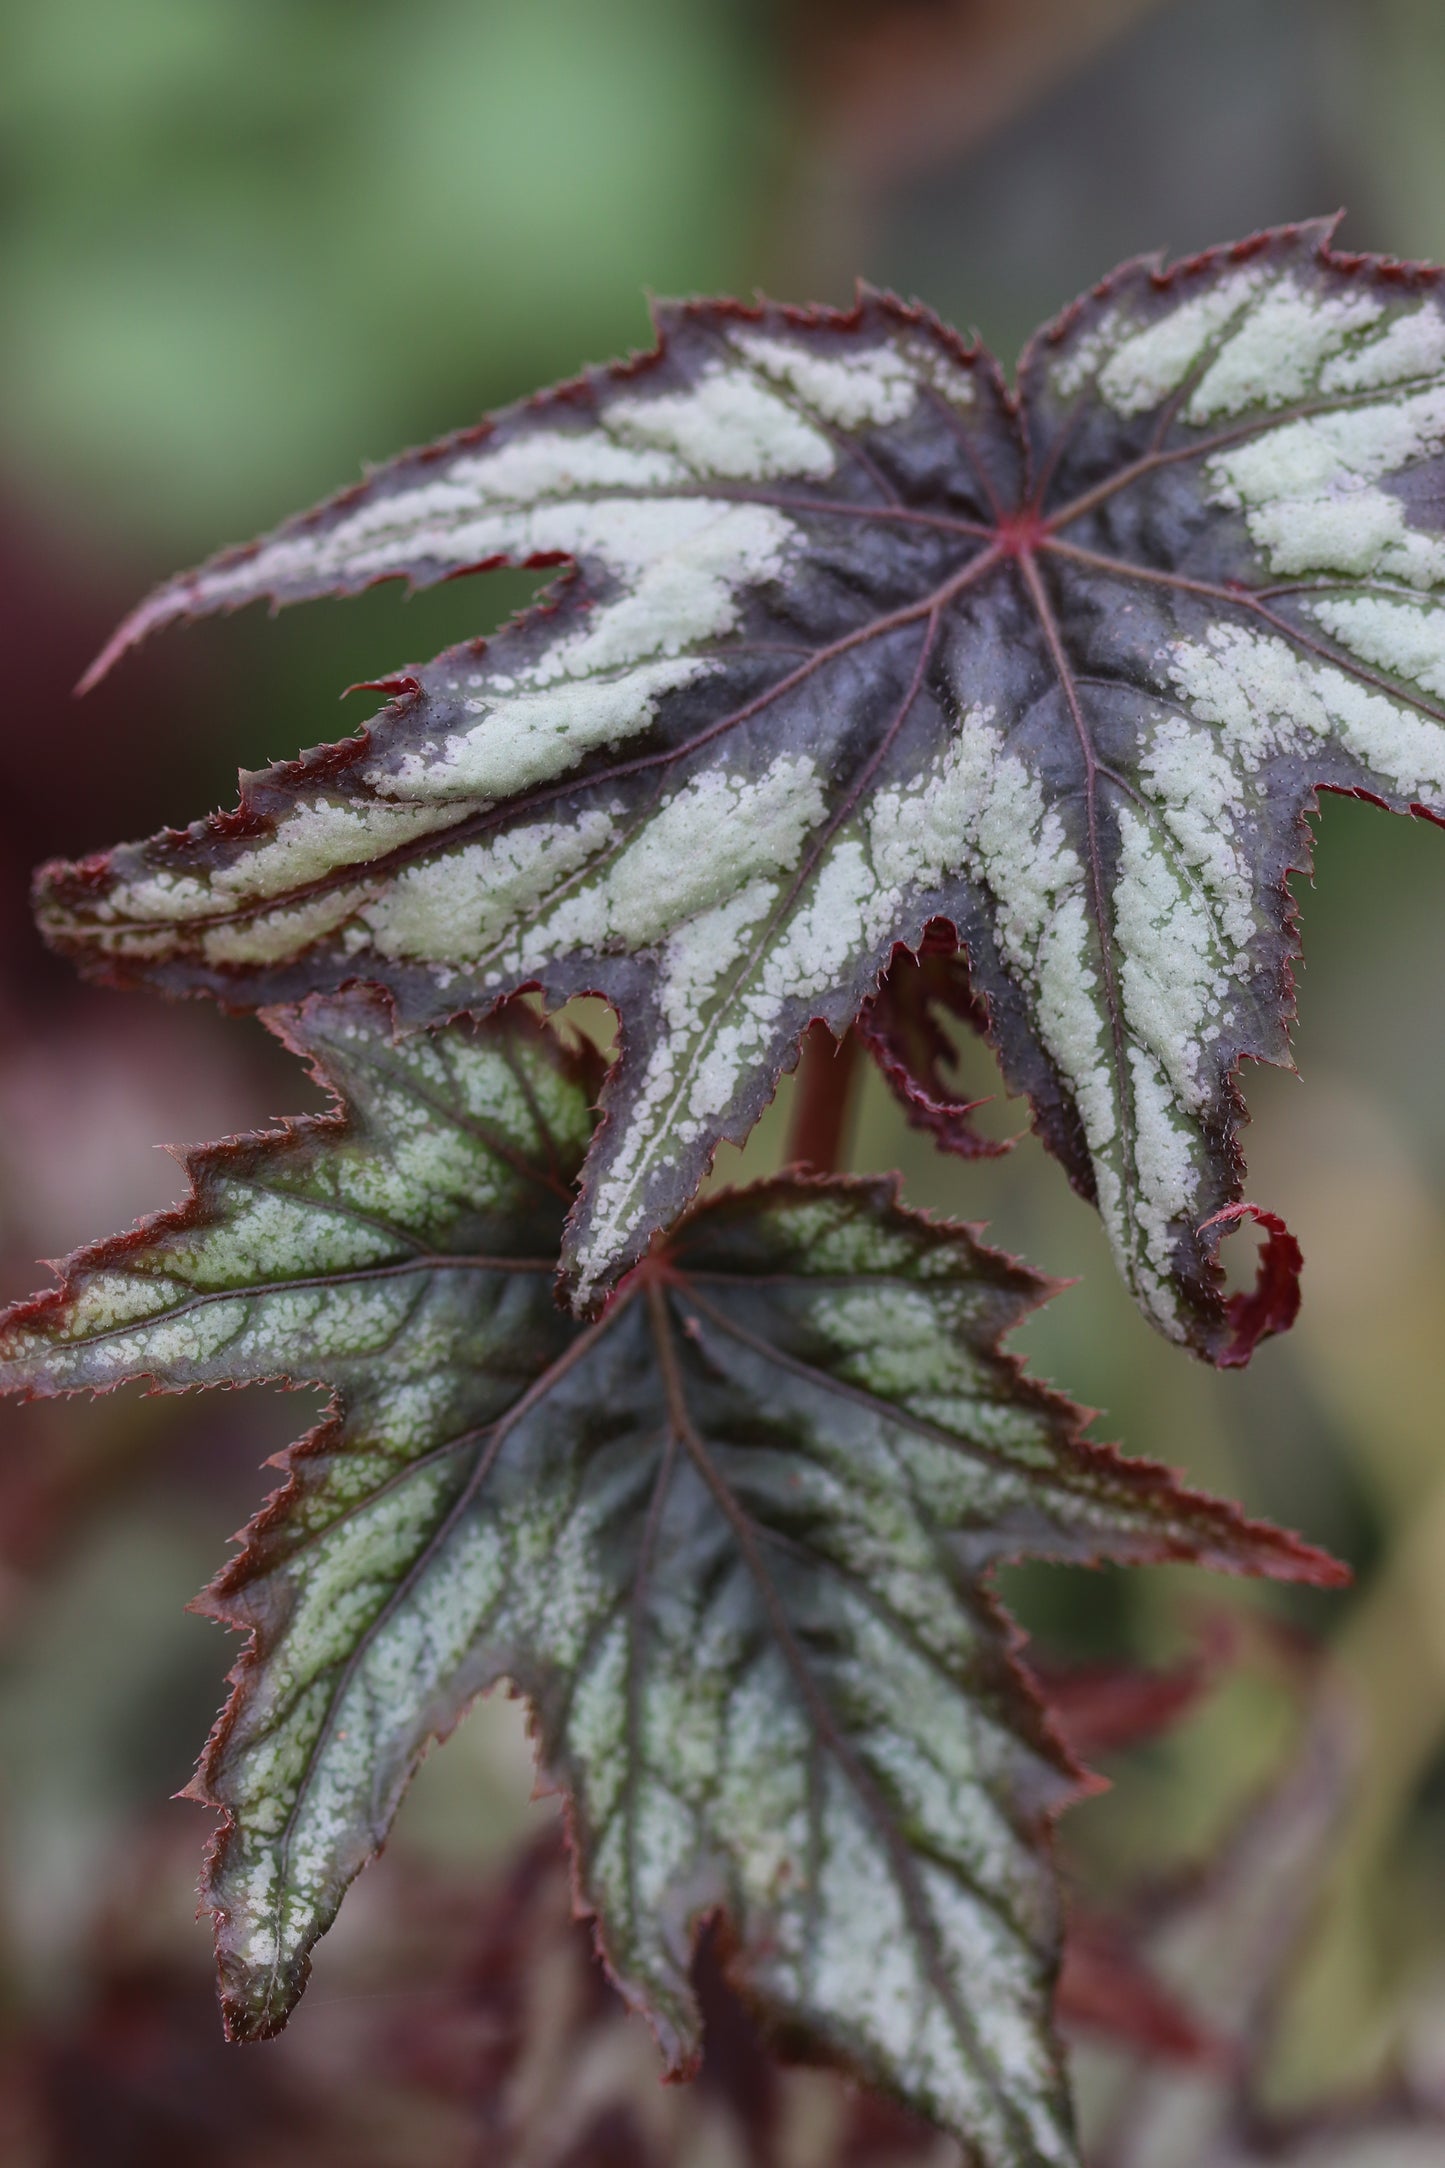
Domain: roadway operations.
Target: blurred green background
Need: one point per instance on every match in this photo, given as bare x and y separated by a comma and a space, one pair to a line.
246, 246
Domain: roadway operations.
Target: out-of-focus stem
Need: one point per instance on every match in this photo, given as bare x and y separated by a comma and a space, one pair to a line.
823, 1103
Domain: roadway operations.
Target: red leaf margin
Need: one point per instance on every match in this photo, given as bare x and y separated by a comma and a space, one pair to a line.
1272, 1304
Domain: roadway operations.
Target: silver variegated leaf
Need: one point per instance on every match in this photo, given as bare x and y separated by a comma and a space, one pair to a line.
731, 1540
856, 639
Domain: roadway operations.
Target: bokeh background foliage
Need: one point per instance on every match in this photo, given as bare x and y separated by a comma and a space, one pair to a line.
247, 245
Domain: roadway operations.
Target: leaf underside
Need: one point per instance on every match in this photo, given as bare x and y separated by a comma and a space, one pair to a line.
902, 1025
731, 1540
855, 639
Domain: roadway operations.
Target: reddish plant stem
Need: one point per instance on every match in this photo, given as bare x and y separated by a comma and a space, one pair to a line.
823, 1101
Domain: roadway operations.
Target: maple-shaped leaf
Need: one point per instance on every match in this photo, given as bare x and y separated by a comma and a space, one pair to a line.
857, 639
732, 1540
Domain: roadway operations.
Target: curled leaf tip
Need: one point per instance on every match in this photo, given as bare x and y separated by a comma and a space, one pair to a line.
1272, 1304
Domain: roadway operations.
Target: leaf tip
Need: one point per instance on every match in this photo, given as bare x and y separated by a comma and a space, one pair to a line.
1272, 1304
161, 608
403, 687
1278, 1554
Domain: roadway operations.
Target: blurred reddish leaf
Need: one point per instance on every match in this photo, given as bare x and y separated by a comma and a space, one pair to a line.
893, 86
